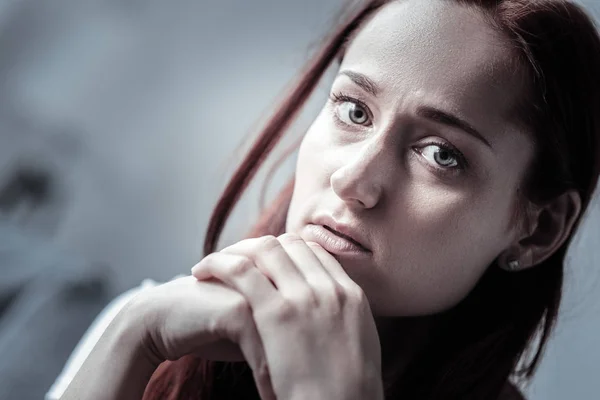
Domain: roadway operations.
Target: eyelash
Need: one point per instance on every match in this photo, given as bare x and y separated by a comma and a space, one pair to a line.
340, 97
454, 153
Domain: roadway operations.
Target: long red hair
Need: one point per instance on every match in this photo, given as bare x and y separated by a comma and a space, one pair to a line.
500, 329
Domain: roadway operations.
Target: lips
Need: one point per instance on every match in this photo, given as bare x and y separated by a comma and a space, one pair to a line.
346, 231
345, 237
333, 242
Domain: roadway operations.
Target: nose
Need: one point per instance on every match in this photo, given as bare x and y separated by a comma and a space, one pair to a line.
360, 181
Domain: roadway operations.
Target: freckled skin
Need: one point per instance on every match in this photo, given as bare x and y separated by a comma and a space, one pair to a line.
432, 234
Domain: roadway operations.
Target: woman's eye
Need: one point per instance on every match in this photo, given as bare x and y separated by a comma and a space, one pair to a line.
352, 113
443, 155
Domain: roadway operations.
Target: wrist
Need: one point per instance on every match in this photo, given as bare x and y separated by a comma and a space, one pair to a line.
134, 325
119, 366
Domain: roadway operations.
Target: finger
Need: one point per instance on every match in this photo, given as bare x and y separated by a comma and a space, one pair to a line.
245, 247
253, 350
242, 332
305, 259
240, 273
271, 258
331, 264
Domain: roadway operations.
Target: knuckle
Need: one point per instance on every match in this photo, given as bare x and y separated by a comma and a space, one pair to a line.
239, 265
356, 295
327, 289
332, 297
207, 260
284, 310
267, 239
269, 243
303, 298
290, 237
338, 293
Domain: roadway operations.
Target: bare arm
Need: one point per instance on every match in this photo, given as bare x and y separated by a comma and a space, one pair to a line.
167, 322
118, 367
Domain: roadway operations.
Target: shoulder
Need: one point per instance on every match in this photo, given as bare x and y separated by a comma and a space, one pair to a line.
510, 392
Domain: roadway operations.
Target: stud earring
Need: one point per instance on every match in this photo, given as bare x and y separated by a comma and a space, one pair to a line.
512, 265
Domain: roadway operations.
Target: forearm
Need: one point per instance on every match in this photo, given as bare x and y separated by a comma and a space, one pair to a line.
117, 368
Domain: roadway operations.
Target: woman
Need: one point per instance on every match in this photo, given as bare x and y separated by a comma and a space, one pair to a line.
418, 251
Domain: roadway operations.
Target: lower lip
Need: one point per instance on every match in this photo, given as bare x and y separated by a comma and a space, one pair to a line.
333, 243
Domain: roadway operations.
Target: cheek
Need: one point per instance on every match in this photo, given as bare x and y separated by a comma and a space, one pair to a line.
311, 177
440, 249
314, 157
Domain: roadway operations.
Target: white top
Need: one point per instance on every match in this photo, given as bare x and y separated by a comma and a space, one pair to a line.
91, 337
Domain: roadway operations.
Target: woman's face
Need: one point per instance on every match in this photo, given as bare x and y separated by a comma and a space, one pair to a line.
418, 151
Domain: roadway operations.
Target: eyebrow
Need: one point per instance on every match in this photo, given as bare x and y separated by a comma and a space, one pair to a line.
445, 118
428, 112
363, 81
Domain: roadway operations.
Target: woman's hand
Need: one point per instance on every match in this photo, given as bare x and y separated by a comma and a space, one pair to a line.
205, 318
184, 316
315, 323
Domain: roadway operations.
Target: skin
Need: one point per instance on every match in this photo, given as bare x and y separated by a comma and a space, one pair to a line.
433, 229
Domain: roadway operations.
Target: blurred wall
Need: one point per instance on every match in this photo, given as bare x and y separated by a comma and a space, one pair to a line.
136, 105
157, 94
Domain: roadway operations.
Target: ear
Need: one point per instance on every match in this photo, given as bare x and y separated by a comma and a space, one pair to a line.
552, 223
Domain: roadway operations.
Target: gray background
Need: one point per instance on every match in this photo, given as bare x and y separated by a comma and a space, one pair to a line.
137, 108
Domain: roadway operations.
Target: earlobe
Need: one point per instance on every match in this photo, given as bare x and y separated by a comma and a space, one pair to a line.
512, 265
511, 260
553, 225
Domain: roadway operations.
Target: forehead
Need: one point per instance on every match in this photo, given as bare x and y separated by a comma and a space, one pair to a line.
437, 50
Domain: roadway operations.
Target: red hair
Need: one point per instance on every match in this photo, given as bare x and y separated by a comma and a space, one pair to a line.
500, 329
